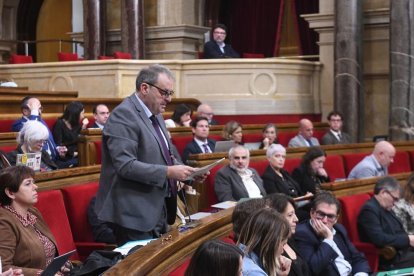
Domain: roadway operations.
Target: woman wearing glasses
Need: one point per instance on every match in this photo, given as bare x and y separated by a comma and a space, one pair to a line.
30, 140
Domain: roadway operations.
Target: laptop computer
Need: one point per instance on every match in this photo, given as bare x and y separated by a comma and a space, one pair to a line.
57, 264
224, 146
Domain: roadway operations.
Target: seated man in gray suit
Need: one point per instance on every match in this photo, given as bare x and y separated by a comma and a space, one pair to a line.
375, 164
305, 136
237, 180
335, 135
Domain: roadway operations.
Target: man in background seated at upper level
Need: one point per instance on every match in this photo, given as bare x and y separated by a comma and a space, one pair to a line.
31, 108
305, 136
335, 135
377, 224
375, 164
200, 143
101, 115
237, 180
217, 48
204, 110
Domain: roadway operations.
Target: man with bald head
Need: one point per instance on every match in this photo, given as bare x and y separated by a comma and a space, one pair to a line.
375, 164
204, 110
305, 136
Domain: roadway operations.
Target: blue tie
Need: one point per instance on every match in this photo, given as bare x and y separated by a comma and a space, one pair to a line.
310, 142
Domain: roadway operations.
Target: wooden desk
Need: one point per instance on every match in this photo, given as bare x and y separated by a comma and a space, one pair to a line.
161, 257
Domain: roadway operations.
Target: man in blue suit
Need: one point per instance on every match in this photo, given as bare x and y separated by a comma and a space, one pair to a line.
217, 48
324, 243
200, 143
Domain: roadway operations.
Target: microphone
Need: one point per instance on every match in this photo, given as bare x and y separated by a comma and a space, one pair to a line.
191, 223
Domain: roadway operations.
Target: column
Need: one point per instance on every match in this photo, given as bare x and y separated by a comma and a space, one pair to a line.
92, 28
401, 70
348, 81
132, 28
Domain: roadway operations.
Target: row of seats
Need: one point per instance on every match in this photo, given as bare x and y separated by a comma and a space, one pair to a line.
337, 166
65, 211
63, 56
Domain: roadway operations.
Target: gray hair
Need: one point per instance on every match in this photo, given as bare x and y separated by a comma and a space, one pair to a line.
273, 148
387, 183
231, 151
150, 74
32, 131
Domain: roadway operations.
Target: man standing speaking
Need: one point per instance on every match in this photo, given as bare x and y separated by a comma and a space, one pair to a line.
137, 189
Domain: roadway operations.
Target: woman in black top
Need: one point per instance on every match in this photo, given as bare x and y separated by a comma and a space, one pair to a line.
68, 127
269, 136
285, 205
275, 178
311, 174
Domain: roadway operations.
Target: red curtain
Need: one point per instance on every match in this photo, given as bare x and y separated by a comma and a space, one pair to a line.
252, 25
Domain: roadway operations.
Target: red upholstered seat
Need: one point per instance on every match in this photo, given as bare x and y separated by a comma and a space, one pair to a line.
180, 142
401, 163
319, 134
77, 198
252, 55
122, 55
180, 270
19, 59
62, 56
211, 194
334, 166
252, 137
259, 165
8, 148
50, 122
284, 137
291, 164
52, 207
351, 206
351, 160
98, 150
105, 57
6, 125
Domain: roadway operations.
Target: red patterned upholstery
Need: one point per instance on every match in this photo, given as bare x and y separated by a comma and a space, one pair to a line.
351, 206
334, 166
51, 205
122, 55
252, 55
19, 59
401, 163
351, 160
67, 56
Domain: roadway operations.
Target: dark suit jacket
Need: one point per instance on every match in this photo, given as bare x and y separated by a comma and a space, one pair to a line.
228, 184
193, 148
306, 181
320, 256
381, 227
330, 139
133, 182
95, 125
212, 50
273, 183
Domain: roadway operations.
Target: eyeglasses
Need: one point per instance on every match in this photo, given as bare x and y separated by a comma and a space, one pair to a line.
394, 198
163, 92
41, 141
322, 215
221, 33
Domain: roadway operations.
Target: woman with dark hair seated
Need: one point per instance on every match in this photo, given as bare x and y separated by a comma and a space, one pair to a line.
27, 242
67, 129
216, 258
286, 206
181, 117
262, 239
311, 174
269, 136
30, 140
